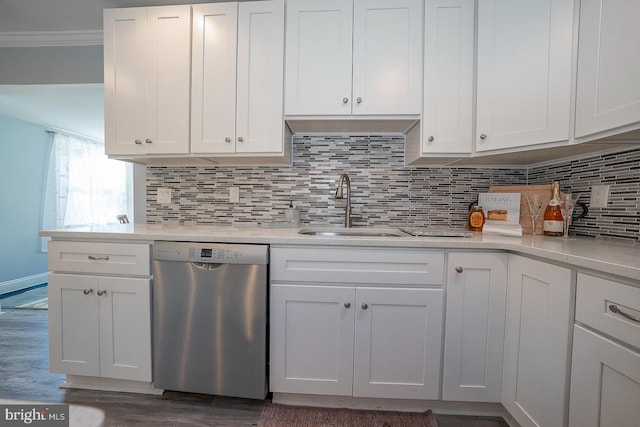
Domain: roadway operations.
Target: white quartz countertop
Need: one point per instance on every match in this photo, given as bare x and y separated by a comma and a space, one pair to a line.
609, 256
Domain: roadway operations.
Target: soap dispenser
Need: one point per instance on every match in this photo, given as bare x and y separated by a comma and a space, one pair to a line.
292, 215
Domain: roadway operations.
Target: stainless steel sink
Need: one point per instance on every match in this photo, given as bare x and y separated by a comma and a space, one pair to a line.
354, 232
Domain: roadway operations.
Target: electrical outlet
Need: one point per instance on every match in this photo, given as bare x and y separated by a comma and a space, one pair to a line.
599, 196
164, 196
234, 194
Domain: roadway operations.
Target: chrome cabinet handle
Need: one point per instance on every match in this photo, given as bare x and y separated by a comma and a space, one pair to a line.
347, 304
431, 138
98, 258
138, 142
345, 100
87, 291
148, 141
240, 139
364, 306
614, 309
100, 293
359, 100
459, 269
227, 139
483, 136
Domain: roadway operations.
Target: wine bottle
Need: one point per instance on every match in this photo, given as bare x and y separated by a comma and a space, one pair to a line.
553, 225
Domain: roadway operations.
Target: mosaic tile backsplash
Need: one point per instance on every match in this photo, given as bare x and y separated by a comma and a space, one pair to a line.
621, 171
384, 191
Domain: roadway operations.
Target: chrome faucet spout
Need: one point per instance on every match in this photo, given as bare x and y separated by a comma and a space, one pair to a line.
344, 178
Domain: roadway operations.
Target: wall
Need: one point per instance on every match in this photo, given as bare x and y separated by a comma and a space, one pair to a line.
51, 65
387, 192
24, 157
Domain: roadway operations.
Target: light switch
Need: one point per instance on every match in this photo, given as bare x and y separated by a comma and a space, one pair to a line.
164, 196
599, 196
234, 194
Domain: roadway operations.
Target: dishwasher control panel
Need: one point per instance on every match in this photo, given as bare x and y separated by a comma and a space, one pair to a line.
215, 253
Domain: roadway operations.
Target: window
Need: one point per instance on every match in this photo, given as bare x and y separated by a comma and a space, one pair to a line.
84, 187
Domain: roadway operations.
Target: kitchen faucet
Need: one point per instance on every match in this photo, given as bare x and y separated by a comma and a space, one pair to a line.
339, 195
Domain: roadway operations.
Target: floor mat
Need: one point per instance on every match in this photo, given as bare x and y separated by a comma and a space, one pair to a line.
34, 298
274, 415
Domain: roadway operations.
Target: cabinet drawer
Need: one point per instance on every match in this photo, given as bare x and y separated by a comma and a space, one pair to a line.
597, 301
357, 265
105, 258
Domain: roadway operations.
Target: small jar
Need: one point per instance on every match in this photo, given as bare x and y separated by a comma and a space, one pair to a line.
476, 218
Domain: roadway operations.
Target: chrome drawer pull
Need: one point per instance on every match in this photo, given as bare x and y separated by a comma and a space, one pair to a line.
98, 258
615, 309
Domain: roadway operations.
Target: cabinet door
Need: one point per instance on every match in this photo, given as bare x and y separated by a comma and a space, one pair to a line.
473, 343
147, 59
124, 76
318, 57
260, 77
311, 339
535, 385
524, 72
125, 328
605, 382
447, 122
387, 57
168, 79
213, 98
74, 338
398, 343
608, 88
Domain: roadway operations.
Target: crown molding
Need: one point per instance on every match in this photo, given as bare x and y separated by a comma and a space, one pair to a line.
50, 38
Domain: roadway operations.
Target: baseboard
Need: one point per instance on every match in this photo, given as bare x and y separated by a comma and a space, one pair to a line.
23, 283
109, 384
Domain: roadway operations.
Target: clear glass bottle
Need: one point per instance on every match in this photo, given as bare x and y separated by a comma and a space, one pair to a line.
476, 218
553, 224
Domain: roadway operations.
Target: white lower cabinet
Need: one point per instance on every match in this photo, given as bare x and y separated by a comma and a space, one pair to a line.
605, 371
474, 326
100, 320
535, 385
100, 326
605, 382
363, 342
380, 337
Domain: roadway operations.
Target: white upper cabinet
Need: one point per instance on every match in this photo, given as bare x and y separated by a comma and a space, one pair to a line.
237, 80
361, 57
318, 57
387, 57
608, 88
147, 60
524, 72
447, 121
215, 28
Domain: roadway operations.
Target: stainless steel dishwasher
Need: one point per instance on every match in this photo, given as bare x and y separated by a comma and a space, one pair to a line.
210, 318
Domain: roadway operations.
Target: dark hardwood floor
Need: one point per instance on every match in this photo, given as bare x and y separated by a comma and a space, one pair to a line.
25, 373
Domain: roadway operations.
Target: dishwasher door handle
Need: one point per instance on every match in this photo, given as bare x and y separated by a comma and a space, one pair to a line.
207, 266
